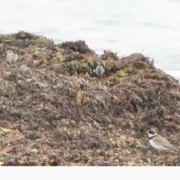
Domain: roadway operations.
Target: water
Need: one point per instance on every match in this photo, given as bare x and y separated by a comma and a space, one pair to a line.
124, 26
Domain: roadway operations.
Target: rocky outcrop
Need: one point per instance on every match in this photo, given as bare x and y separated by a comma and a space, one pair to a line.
55, 111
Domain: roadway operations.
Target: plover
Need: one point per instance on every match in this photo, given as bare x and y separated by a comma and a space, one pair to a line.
159, 143
11, 57
99, 70
93, 62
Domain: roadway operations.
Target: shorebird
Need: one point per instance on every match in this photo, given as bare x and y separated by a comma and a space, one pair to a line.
93, 62
99, 70
159, 143
11, 57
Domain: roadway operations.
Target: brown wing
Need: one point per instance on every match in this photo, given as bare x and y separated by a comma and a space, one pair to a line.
160, 140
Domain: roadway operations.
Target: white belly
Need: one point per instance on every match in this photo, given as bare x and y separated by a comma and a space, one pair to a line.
157, 147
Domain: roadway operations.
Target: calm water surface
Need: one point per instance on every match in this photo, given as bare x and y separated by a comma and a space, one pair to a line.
124, 26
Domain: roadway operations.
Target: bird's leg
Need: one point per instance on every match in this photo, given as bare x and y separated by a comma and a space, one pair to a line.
159, 153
